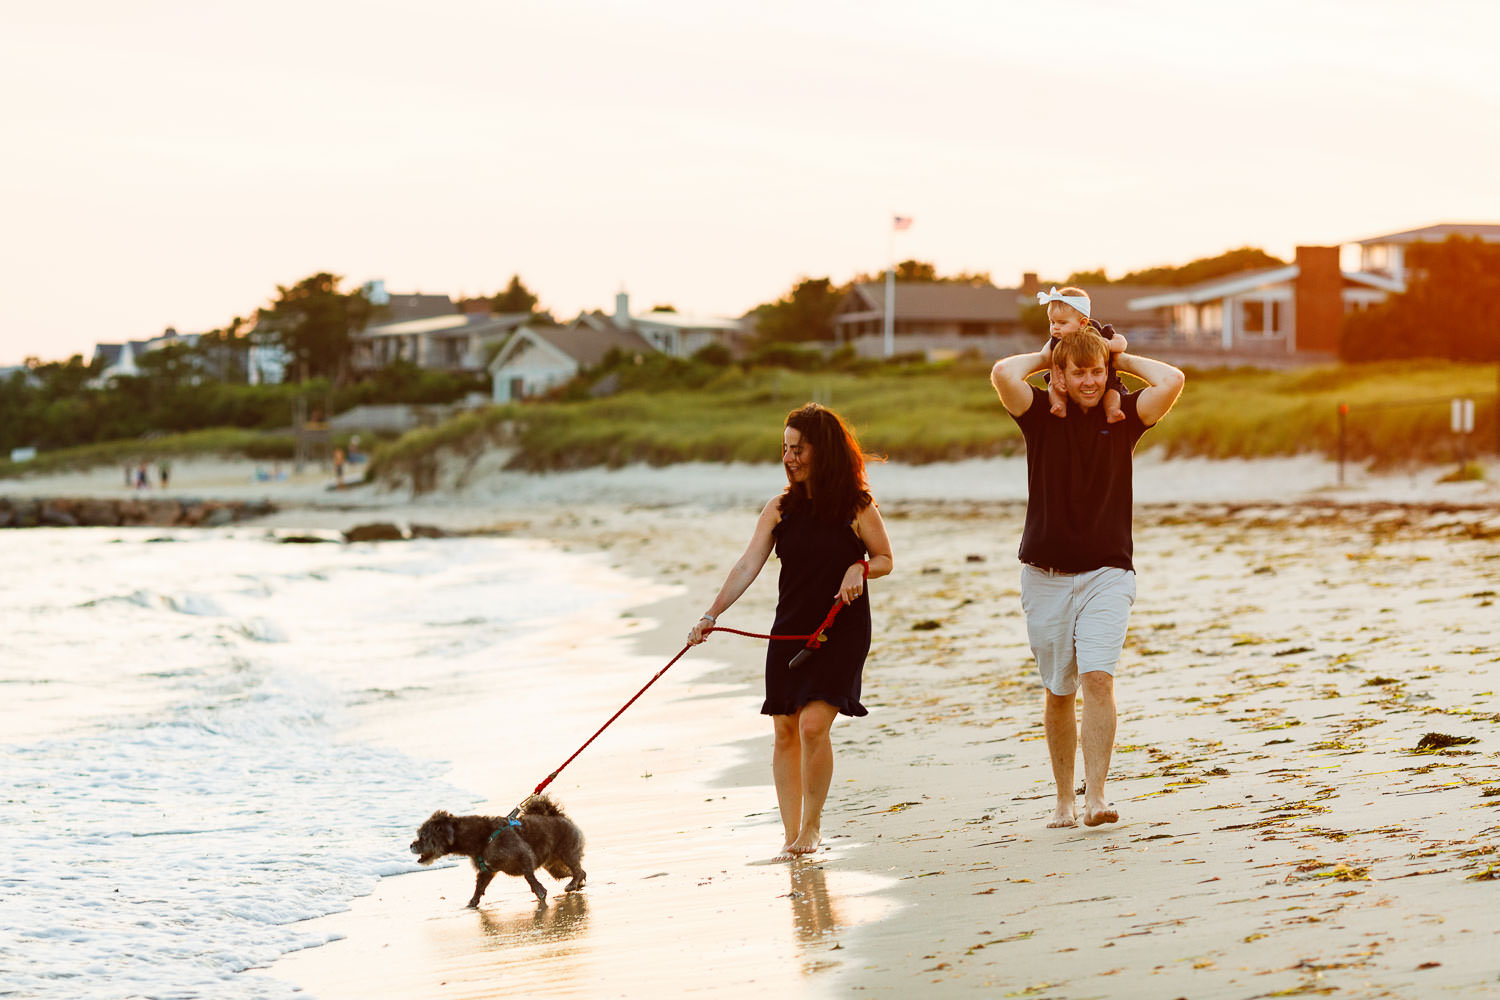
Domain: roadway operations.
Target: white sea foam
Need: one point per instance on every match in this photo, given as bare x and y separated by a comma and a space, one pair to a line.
179, 792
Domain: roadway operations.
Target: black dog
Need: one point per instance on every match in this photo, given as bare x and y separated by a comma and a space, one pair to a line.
541, 838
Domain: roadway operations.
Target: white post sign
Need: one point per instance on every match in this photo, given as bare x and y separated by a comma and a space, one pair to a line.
1463, 416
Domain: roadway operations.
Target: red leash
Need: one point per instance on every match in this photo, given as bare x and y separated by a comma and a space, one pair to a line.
814, 639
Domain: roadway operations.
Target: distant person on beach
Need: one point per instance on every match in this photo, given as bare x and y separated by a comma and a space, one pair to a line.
142, 476
338, 466
163, 472
821, 527
1077, 577
1068, 311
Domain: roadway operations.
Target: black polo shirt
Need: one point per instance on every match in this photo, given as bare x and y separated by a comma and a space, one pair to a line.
1078, 485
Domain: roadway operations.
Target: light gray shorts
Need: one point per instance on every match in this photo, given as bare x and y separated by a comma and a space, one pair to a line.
1076, 622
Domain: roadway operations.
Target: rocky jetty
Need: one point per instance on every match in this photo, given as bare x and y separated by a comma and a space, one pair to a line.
156, 512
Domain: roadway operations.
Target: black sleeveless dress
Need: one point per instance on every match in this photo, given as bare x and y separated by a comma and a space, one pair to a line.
814, 557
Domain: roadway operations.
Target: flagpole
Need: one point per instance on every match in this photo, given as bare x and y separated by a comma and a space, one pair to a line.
890, 289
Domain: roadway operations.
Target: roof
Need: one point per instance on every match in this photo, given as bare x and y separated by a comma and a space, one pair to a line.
1244, 281
469, 323
1490, 233
1109, 302
940, 300
585, 345
109, 352
400, 308
1218, 288
679, 321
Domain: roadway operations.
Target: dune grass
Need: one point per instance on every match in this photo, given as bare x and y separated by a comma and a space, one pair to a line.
917, 413
1398, 414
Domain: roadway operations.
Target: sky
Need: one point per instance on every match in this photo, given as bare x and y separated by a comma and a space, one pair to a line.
171, 163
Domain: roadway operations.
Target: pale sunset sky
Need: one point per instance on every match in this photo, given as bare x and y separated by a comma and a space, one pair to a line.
169, 162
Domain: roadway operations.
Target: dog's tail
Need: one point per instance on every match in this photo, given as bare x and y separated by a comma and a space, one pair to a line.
540, 805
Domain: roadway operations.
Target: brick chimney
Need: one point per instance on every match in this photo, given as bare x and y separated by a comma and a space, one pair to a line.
1029, 285
1318, 302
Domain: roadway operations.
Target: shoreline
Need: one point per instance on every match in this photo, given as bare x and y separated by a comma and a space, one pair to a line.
485, 482
690, 741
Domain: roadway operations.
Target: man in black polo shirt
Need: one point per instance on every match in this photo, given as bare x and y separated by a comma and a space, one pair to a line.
1077, 578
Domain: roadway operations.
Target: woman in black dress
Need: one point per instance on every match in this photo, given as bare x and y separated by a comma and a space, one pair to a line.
821, 527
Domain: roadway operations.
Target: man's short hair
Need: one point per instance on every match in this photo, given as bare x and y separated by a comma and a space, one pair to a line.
1082, 348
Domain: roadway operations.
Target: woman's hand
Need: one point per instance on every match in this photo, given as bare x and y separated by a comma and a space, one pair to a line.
853, 584
695, 634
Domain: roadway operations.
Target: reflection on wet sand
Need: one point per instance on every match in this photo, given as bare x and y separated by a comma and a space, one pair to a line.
556, 924
814, 917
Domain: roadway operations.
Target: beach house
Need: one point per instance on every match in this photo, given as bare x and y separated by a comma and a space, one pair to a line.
452, 341
540, 356
1386, 255
679, 334
1292, 309
1295, 310
941, 319
123, 359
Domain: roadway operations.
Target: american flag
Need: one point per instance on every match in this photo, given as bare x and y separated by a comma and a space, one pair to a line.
901, 222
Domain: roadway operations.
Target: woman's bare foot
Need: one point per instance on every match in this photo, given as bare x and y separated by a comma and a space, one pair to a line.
785, 854
1065, 816
1098, 815
806, 843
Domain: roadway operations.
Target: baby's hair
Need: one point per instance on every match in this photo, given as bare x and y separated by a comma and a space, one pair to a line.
1070, 290
1081, 348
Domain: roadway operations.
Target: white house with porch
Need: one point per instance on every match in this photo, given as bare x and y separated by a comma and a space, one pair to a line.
1386, 255
1296, 307
455, 342
539, 357
678, 334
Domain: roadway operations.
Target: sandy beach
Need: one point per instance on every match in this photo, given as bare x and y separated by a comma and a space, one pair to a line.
1280, 834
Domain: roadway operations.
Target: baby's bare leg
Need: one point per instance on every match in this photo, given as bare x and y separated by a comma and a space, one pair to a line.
1112, 412
1056, 398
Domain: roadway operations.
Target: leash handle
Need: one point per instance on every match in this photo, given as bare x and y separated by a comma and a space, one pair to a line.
814, 640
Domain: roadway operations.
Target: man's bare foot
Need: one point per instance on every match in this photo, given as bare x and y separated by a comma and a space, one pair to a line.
1065, 816
1100, 814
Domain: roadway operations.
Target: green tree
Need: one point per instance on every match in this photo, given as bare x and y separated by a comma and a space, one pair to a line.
312, 321
223, 354
805, 313
1203, 269
516, 298
1450, 309
1095, 277
925, 271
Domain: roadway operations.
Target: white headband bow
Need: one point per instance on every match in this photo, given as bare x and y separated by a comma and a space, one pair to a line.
1079, 302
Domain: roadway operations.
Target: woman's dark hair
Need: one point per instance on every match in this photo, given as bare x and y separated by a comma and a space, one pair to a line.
839, 489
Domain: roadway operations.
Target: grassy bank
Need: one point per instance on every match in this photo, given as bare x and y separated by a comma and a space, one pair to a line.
927, 413
913, 413
214, 441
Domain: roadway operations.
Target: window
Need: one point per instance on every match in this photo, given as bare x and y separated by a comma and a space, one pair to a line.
1260, 317
1254, 316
